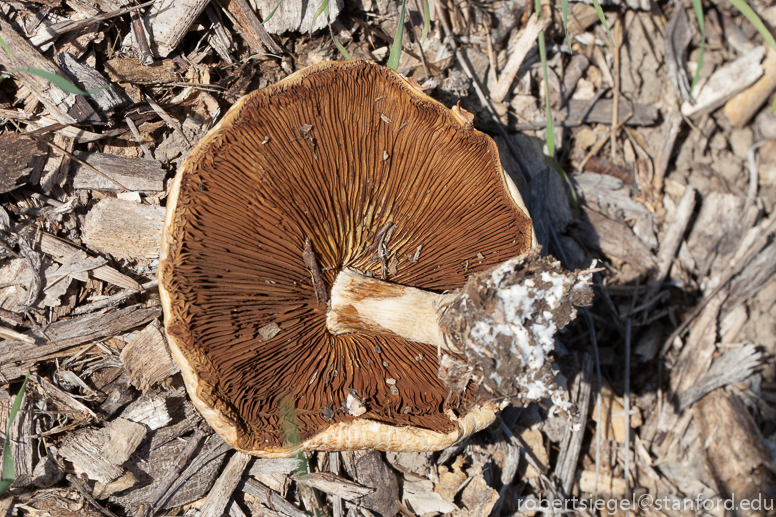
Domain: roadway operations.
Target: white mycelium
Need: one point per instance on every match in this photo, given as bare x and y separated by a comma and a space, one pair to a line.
524, 319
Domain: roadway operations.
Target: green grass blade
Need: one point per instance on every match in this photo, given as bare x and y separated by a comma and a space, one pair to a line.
550, 123
603, 19
9, 470
393, 59
272, 13
324, 7
755, 20
696, 4
426, 21
337, 43
61, 82
565, 8
7, 48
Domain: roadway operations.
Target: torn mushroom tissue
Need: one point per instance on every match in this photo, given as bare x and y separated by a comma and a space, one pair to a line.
522, 313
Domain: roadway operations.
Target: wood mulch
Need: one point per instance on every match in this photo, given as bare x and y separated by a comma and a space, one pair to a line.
673, 193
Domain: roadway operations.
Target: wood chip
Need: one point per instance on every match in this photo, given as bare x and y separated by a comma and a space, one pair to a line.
150, 410
66, 108
134, 173
740, 109
225, 485
18, 157
334, 485
147, 357
103, 93
295, 16
124, 229
734, 449
250, 27
84, 449
123, 437
129, 70
168, 22
478, 497
60, 250
419, 496
727, 81
373, 472
17, 357
517, 54
619, 243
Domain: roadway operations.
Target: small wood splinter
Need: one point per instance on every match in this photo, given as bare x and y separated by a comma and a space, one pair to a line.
312, 264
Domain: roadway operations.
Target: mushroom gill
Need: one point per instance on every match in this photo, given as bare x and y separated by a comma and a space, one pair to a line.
380, 179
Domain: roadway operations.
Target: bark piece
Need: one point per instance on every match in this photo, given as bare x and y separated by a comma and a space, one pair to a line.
752, 279
150, 410
740, 109
251, 29
123, 437
60, 250
733, 366
17, 357
618, 242
727, 81
478, 497
84, 449
692, 364
296, 16
373, 472
270, 498
47, 473
419, 496
129, 70
275, 465
721, 224
607, 195
672, 240
124, 228
18, 157
571, 444
334, 485
47, 33
56, 279
113, 300
22, 443
63, 400
55, 170
516, 57
196, 480
135, 174
119, 393
147, 357
225, 485
671, 128
577, 112
678, 37
175, 481
67, 108
89, 79
735, 451
169, 21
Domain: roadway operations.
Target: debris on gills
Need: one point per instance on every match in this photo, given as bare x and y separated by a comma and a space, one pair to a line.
504, 322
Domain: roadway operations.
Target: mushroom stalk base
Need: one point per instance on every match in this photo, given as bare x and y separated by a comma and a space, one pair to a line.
363, 304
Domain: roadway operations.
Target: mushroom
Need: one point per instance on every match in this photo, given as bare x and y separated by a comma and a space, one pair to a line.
309, 241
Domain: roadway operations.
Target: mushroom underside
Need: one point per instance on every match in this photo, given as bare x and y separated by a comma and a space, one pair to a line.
380, 179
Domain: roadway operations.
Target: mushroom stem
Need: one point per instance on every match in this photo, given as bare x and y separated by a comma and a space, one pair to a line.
363, 304
501, 325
